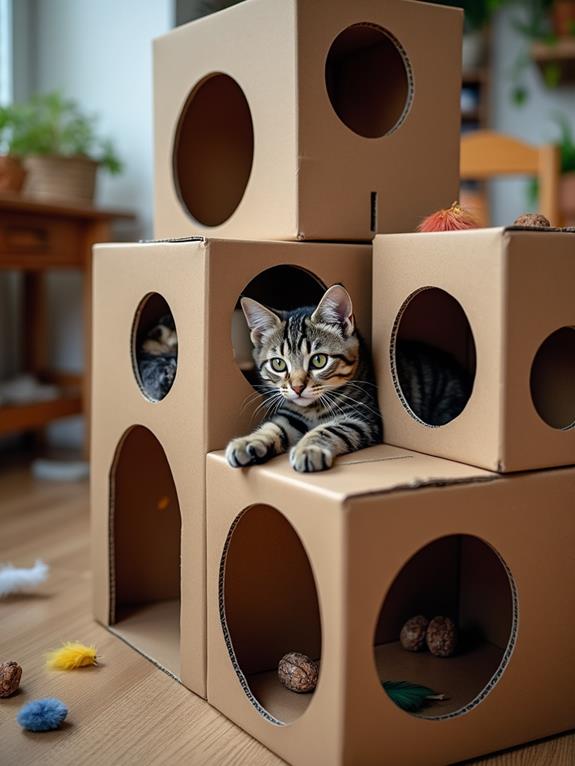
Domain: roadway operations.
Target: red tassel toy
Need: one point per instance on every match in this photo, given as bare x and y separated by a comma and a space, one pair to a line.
454, 218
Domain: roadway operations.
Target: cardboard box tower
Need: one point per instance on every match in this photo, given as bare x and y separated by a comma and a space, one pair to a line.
332, 122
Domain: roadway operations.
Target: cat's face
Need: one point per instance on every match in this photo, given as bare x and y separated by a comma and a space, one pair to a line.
305, 353
162, 338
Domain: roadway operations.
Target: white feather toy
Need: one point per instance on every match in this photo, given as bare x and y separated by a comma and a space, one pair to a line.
21, 579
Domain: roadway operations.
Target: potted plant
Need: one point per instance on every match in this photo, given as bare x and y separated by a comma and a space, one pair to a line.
12, 172
566, 144
563, 15
567, 184
59, 146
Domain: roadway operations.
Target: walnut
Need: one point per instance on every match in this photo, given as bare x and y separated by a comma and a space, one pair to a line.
532, 219
10, 675
441, 637
298, 673
412, 636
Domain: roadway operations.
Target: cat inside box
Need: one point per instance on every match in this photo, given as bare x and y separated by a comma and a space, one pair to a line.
315, 375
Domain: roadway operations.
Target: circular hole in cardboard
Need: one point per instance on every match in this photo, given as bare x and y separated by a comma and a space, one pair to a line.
279, 287
268, 607
553, 379
369, 80
213, 150
154, 347
461, 577
433, 358
145, 529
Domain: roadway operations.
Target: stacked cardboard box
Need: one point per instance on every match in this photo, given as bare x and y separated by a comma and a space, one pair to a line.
289, 133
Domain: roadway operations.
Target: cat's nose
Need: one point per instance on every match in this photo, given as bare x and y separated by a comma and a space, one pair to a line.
298, 388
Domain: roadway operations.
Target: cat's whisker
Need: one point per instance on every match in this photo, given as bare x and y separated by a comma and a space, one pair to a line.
266, 400
359, 382
271, 401
334, 407
250, 399
341, 412
357, 403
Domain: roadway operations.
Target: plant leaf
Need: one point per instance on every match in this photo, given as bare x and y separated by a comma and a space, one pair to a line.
410, 697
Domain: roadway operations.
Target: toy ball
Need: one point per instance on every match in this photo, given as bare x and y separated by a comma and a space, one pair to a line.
298, 673
42, 715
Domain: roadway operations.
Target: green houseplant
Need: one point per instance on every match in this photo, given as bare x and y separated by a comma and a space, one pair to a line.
566, 144
12, 172
58, 145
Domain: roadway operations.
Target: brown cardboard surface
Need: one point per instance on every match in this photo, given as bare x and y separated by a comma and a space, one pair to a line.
463, 675
148, 458
154, 630
359, 524
273, 173
514, 287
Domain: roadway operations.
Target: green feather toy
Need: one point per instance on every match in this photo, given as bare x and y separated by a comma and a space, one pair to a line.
410, 697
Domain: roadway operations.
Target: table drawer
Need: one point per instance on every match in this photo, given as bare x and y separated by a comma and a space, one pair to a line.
30, 241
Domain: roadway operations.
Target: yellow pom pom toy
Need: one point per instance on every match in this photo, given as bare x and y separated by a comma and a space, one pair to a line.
70, 656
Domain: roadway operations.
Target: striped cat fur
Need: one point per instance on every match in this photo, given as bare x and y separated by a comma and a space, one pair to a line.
317, 383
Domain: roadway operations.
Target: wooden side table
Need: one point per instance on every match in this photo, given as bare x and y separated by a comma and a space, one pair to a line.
35, 237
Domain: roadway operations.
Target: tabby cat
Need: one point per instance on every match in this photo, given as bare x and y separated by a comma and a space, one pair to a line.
319, 388
434, 385
158, 358
317, 381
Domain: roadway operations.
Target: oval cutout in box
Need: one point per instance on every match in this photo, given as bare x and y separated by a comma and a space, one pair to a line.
465, 579
154, 347
433, 358
268, 607
553, 379
369, 80
213, 150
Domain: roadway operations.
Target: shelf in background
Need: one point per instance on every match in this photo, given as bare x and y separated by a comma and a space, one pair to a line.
34, 415
560, 54
473, 115
475, 77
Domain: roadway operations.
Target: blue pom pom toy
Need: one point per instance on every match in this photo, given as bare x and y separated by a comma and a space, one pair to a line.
42, 715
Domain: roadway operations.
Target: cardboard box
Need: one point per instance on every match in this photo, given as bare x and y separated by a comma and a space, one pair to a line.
148, 457
501, 302
323, 120
305, 563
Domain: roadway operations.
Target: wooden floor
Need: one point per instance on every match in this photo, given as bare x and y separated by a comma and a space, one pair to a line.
125, 711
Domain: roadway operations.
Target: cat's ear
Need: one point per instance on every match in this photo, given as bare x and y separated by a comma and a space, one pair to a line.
260, 319
336, 307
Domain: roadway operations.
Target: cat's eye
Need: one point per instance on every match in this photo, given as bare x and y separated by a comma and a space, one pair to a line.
278, 365
318, 361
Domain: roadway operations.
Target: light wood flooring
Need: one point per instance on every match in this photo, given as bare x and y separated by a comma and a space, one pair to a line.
125, 711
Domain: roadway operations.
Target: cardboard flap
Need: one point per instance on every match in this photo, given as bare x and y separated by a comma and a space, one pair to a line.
377, 470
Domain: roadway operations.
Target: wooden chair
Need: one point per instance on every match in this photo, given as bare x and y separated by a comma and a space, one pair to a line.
486, 154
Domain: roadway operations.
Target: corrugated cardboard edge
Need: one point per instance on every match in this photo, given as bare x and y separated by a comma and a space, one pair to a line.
171, 240
226, 631
416, 484
149, 657
547, 229
504, 662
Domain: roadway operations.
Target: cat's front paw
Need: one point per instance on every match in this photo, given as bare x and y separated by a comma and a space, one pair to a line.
310, 458
247, 450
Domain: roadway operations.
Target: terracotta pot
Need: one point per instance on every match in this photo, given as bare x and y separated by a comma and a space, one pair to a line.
567, 198
12, 174
67, 179
563, 15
